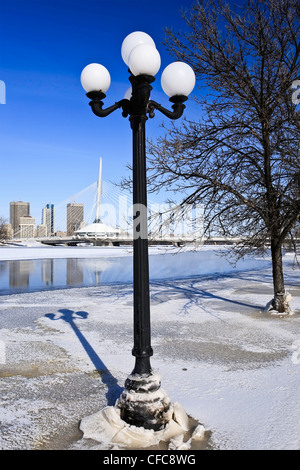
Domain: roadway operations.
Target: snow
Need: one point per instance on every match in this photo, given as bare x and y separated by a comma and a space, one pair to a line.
107, 426
233, 367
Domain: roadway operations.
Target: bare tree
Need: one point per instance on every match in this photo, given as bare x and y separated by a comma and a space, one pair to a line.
241, 159
4, 234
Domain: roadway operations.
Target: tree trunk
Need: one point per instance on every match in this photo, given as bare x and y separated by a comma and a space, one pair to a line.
279, 303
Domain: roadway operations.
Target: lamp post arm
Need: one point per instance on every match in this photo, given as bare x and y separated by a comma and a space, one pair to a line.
97, 104
97, 108
178, 107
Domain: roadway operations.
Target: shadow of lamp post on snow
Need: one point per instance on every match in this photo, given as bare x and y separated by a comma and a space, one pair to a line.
151, 409
69, 316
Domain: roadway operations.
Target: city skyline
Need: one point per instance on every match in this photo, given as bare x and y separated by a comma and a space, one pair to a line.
115, 215
111, 216
20, 219
50, 142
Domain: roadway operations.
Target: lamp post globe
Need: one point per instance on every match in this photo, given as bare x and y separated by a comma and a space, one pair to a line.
128, 93
142, 403
177, 79
95, 77
144, 59
131, 41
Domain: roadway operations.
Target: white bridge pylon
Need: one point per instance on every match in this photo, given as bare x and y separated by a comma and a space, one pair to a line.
99, 193
107, 204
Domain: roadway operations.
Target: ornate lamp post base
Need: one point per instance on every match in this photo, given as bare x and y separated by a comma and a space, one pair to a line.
143, 403
109, 429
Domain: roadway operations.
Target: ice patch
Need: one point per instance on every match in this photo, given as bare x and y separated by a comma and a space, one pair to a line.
106, 426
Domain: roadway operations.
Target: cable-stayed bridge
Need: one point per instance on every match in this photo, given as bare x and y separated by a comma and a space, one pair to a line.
108, 218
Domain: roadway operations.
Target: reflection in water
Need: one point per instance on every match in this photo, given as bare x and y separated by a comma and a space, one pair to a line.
48, 272
19, 272
3, 267
32, 275
74, 272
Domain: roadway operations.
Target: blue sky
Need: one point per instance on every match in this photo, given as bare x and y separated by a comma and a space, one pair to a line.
50, 141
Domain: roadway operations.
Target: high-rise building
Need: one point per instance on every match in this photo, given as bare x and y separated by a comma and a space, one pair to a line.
26, 227
75, 217
18, 209
48, 218
41, 231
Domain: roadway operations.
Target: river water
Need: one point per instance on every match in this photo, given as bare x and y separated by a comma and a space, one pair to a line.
40, 273
18, 276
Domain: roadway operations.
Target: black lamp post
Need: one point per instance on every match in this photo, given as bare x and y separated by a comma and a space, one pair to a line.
142, 403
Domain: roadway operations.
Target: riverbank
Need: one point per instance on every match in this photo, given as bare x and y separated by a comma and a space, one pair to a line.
233, 367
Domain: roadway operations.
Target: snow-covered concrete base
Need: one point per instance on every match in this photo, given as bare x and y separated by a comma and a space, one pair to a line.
288, 311
106, 426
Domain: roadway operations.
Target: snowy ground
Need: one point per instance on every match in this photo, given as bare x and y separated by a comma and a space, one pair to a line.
65, 354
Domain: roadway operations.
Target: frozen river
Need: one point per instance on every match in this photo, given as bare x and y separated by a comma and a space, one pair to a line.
29, 269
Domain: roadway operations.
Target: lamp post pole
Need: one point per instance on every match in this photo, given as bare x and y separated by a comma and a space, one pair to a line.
143, 402
142, 336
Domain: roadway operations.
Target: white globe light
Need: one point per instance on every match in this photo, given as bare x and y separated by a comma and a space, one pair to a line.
178, 78
95, 77
133, 40
128, 94
144, 60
